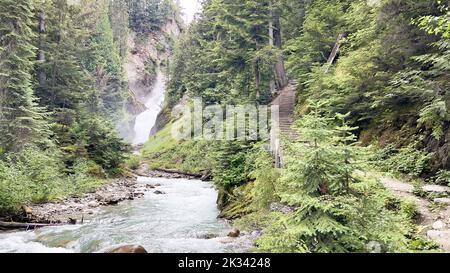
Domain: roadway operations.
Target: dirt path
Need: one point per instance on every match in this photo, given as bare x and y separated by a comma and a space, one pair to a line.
434, 215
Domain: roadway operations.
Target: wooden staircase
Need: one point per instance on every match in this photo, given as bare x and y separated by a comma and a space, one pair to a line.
286, 102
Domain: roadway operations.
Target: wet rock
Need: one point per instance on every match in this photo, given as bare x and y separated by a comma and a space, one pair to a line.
436, 189
158, 185
128, 249
207, 236
138, 194
234, 233
112, 201
148, 186
159, 192
72, 221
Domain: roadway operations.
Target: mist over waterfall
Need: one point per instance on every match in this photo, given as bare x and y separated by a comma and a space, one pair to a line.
147, 119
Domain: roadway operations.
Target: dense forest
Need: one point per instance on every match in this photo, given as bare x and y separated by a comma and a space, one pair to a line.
63, 93
371, 79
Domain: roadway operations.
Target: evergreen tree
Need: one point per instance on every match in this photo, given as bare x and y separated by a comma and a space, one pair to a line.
22, 121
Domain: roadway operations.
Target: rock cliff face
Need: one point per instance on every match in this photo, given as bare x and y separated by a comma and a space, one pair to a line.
148, 53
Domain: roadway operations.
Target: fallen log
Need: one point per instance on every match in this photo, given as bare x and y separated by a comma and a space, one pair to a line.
25, 226
195, 175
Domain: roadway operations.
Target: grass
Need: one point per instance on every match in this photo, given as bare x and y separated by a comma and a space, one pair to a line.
163, 151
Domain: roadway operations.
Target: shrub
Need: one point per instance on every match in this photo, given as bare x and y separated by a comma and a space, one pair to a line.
407, 160
134, 162
32, 175
442, 177
266, 177
81, 181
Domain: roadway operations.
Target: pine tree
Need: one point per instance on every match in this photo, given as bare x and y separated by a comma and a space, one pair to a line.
317, 180
22, 121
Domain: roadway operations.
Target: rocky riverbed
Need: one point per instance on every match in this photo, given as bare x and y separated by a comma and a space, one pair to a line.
74, 210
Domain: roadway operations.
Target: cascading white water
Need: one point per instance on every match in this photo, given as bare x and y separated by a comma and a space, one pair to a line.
146, 120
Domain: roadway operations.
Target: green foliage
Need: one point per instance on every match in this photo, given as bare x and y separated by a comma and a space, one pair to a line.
442, 177
30, 176
434, 116
35, 176
22, 121
408, 160
101, 143
84, 178
229, 169
226, 56
147, 15
423, 245
335, 210
103, 60
266, 178
163, 151
133, 162
410, 209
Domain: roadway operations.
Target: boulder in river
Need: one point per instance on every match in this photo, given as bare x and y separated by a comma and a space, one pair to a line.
207, 236
234, 233
159, 192
128, 249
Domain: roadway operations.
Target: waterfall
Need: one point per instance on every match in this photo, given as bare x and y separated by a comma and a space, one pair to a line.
146, 120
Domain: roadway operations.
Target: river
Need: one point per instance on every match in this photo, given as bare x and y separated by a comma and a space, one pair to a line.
179, 221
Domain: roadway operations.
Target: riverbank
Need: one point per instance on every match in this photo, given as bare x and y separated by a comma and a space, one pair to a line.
74, 210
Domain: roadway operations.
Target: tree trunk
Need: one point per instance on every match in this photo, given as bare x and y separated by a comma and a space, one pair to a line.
334, 52
41, 54
275, 25
26, 226
257, 79
271, 43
